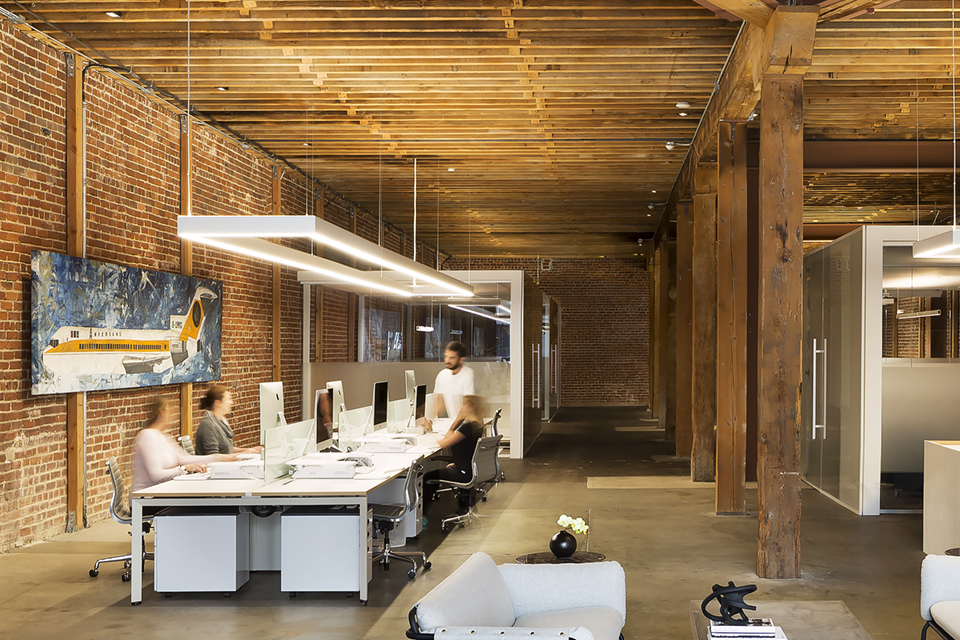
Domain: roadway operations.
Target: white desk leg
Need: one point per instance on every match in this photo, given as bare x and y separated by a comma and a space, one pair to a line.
364, 577
136, 553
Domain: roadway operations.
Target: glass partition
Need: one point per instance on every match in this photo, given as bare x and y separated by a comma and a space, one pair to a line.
284, 443
920, 304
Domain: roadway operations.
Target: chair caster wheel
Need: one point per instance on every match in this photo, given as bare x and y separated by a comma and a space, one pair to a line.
125, 577
483, 499
412, 574
445, 529
461, 524
427, 565
94, 573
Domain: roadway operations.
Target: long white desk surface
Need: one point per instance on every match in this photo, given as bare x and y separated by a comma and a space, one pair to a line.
388, 467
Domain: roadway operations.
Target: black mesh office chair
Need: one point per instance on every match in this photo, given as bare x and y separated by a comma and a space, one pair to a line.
386, 517
485, 470
120, 511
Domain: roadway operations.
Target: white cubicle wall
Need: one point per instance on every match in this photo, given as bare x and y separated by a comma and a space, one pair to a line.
870, 436
501, 383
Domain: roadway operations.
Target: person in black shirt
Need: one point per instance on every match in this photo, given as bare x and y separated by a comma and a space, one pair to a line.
460, 441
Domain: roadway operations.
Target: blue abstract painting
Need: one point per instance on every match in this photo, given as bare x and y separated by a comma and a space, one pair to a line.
100, 326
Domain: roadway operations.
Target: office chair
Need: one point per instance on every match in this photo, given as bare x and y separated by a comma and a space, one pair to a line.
387, 516
495, 432
120, 511
186, 442
485, 469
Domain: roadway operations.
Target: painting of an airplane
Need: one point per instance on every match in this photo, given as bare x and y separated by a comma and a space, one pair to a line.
104, 326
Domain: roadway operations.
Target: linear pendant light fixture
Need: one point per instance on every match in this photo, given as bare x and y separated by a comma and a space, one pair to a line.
932, 313
245, 235
481, 313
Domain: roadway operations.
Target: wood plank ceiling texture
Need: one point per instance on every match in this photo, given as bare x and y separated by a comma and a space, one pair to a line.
552, 114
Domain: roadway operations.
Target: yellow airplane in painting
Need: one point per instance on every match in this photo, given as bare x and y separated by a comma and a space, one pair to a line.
79, 350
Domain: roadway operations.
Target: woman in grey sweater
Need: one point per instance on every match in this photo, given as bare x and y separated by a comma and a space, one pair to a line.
214, 434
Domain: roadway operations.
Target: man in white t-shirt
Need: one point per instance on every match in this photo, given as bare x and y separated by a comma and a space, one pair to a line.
454, 382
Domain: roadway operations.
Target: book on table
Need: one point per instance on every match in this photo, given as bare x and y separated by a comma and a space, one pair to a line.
753, 628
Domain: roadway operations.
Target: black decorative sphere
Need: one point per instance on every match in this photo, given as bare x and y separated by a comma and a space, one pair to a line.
563, 544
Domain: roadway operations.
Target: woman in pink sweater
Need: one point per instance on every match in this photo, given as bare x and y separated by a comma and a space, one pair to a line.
156, 458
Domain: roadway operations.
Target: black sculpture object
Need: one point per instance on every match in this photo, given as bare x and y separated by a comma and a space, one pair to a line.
730, 599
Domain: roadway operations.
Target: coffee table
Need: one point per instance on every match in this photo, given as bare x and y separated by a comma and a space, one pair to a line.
799, 619
547, 557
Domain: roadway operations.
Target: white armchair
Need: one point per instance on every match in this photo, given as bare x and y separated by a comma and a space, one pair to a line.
940, 596
483, 601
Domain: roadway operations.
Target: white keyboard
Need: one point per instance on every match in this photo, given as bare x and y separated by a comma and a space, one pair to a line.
193, 476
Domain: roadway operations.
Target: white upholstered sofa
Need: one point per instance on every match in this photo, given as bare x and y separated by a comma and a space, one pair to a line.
483, 601
940, 596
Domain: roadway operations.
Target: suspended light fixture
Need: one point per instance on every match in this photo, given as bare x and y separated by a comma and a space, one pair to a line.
245, 235
933, 313
481, 313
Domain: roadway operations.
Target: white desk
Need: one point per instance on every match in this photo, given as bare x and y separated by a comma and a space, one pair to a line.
941, 496
280, 493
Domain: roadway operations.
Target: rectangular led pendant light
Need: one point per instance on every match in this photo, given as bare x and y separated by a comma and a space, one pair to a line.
943, 245
244, 234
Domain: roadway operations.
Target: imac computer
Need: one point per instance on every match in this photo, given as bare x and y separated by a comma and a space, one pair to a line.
380, 401
336, 388
323, 415
420, 402
411, 380
271, 407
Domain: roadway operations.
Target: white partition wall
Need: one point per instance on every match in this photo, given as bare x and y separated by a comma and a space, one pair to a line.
851, 431
500, 383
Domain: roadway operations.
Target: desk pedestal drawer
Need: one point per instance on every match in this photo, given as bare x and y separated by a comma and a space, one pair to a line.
198, 552
321, 549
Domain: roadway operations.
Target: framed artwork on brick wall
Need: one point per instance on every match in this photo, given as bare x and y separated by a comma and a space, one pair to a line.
98, 326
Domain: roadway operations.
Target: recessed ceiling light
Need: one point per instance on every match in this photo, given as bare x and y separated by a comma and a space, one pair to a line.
653, 191
649, 215
114, 14
306, 144
223, 88
683, 105
451, 169
682, 114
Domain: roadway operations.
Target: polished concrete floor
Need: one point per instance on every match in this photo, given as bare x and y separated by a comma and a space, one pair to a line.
663, 531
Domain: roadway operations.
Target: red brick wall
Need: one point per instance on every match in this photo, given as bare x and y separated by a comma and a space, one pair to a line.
604, 346
32, 215
133, 195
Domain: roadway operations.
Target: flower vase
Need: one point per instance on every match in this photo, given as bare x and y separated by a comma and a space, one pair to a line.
563, 544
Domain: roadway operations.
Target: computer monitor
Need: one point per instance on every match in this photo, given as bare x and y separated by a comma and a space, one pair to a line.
420, 402
380, 401
323, 414
336, 388
271, 407
410, 377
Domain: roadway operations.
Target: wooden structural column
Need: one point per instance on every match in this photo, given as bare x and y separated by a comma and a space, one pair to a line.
75, 235
732, 319
276, 282
703, 457
653, 319
667, 336
684, 328
186, 255
789, 39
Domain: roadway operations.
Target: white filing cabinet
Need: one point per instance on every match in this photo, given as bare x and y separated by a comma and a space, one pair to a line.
199, 551
321, 548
